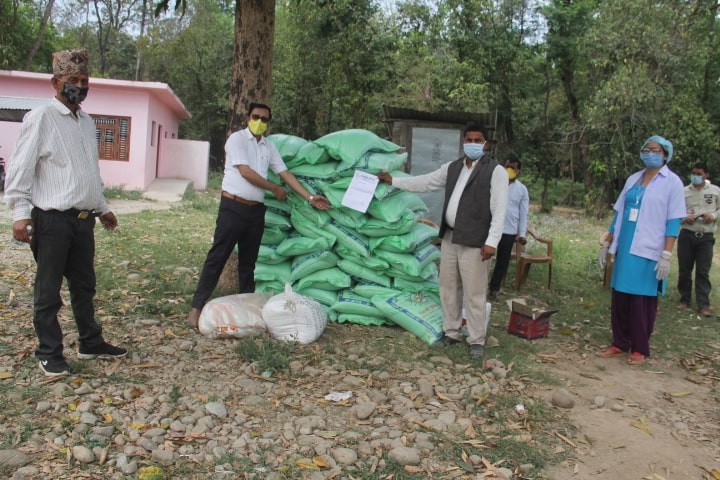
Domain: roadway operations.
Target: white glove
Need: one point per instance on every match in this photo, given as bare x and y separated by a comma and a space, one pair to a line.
662, 269
603, 253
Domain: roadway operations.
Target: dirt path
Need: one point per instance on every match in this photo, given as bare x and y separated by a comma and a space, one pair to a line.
657, 422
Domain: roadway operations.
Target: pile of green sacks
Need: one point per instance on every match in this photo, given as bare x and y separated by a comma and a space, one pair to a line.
373, 269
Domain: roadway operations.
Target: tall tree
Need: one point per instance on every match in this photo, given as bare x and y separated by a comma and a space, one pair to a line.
40, 35
252, 57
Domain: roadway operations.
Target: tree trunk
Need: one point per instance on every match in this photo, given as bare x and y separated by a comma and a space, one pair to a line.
40, 35
252, 58
140, 42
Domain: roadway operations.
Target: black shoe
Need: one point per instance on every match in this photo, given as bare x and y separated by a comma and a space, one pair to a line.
493, 294
477, 351
104, 350
446, 342
53, 367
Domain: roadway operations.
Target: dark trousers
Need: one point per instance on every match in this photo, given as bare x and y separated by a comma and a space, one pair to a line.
633, 321
502, 260
697, 252
63, 246
236, 224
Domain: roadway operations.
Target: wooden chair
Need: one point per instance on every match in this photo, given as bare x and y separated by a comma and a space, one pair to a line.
524, 260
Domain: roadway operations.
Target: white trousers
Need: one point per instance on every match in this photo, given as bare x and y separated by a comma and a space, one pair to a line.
463, 274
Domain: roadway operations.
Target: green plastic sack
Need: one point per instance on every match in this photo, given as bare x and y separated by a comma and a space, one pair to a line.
429, 272
279, 272
334, 196
347, 217
269, 287
350, 145
376, 162
327, 170
362, 319
268, 254
349, 302
276, 206
368, 289
312, 154
297, 244
349, 238
392, 207
274, 220
418, 237
372, 262
309, 229
287, 145
423, 286
362, 273
304, 265
381, 191
326, 297
273, 235
326, 279
412, 264
416, 313
380, 228
319, 218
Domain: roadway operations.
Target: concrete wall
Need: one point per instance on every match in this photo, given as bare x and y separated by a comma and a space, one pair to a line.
187, 159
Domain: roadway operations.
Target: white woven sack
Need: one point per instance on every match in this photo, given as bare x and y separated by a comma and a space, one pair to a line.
234, 316
293, 317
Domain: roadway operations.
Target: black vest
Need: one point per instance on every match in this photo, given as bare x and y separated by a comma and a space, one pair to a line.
472, 222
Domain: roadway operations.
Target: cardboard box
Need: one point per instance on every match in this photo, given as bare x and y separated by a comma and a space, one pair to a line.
528, 322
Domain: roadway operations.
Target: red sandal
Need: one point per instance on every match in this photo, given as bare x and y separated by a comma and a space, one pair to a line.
611, 351
636, 358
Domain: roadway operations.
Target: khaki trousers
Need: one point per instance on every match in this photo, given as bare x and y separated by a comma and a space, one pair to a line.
463, 274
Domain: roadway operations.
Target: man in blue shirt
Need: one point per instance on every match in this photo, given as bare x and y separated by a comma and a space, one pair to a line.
515, 224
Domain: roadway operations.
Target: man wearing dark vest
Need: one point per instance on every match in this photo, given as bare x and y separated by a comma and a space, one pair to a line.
476, 192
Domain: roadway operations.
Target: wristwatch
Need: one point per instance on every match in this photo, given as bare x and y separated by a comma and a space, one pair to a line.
311, 198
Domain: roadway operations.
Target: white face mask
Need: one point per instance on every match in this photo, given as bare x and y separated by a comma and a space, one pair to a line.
474, 150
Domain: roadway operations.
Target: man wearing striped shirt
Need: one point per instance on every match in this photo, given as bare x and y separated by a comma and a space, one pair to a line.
54, 190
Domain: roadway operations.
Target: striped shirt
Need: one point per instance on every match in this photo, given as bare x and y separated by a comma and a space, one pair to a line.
55, 163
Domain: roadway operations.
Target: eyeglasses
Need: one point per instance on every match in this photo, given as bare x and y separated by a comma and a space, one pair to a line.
652, 150
255, 116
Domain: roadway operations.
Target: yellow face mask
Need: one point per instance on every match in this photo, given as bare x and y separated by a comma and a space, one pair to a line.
257, 127
512, 174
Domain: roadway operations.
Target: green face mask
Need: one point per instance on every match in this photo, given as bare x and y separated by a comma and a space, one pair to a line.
257, 127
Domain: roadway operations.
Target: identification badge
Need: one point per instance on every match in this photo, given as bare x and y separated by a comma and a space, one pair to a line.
633, 215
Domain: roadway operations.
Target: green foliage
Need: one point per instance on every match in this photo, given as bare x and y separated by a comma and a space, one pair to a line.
19, 25
271, 356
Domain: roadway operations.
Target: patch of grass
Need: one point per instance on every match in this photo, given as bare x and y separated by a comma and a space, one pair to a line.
119, 193
270, 355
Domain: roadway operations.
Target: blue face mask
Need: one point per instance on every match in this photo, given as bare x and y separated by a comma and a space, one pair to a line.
697, 179
652, 160
474, 150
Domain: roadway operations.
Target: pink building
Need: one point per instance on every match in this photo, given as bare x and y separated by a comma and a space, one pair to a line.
137, 128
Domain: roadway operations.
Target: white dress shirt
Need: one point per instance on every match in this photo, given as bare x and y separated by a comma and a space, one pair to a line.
437, 180
516, 216
55, 163
241, 148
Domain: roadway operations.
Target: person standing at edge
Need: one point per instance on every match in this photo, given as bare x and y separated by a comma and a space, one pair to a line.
476, 190
696, 239
55, 192
516, 218
641, 236
241, 215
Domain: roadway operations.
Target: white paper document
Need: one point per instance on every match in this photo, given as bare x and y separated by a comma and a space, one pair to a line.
360, 192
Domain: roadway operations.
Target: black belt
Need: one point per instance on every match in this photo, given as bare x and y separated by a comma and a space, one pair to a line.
698, 234
74, 212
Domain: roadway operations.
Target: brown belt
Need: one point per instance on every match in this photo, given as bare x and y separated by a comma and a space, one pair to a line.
240, 199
